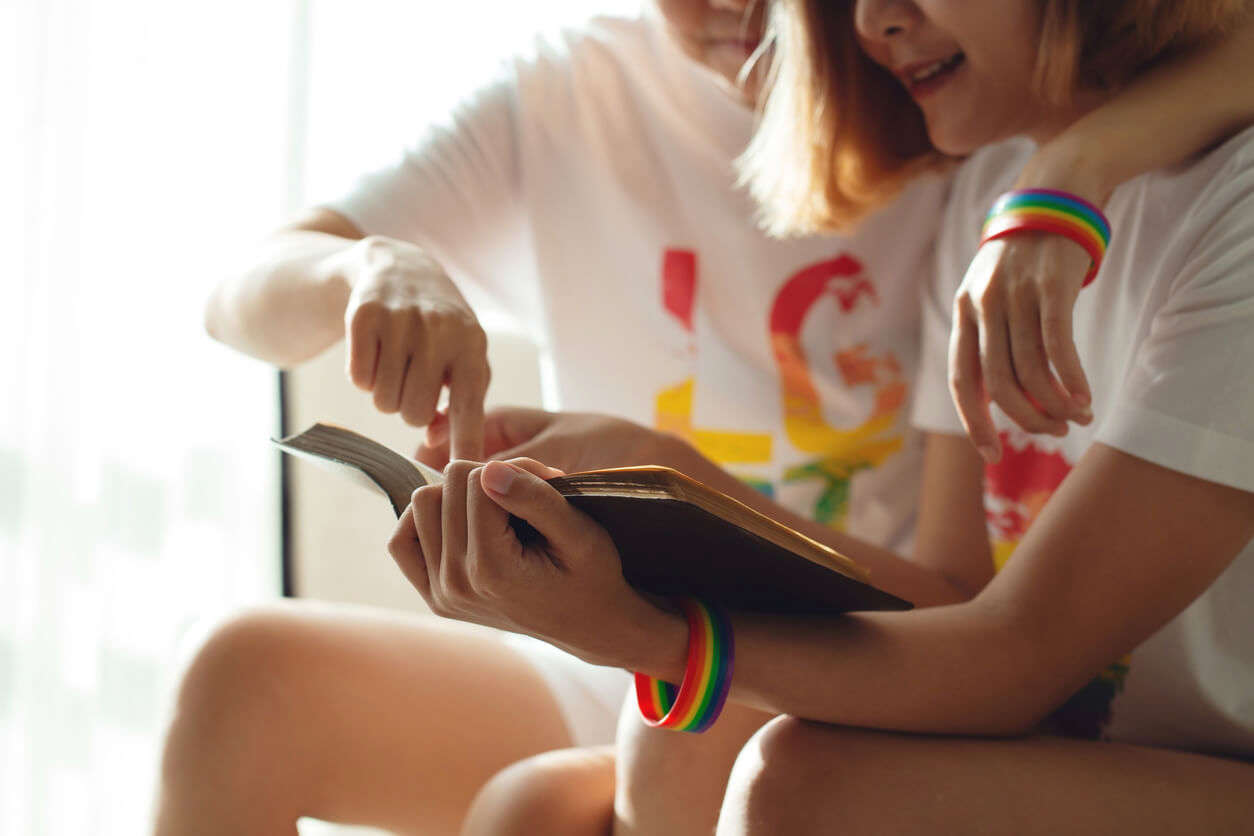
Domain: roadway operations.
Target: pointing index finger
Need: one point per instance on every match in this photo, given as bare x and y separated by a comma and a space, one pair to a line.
467, 384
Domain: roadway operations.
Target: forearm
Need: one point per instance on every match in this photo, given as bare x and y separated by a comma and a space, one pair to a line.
1059, 612
288, 305
918, 584
960, 669
1162, 118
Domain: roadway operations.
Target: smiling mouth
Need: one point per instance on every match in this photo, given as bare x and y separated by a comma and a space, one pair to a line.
925, 78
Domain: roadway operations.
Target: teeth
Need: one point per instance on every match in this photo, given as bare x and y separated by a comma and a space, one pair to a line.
933, 69
928, 71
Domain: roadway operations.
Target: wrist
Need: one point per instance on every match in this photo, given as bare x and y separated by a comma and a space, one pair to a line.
1070, 167
693, 703
336, 273
370, 255
656, 643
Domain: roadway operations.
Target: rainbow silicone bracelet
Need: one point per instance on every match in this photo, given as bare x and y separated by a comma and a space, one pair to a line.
1049, 210
707, 677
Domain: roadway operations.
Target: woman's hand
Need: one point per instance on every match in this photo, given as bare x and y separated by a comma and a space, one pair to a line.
1012, 343
573, 441
410, 333
455, 545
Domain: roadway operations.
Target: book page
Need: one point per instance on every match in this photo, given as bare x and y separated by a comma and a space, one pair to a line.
365, 460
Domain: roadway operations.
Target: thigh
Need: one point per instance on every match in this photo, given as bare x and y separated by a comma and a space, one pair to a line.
673, 782
803, 778
590, 695
392, 720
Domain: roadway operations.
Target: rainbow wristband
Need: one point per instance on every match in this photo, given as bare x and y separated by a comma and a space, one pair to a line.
1049, 210
707, 677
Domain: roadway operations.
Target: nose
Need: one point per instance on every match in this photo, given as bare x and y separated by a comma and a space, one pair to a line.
878, 19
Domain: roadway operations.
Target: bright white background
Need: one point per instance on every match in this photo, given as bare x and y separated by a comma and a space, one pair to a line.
138, 497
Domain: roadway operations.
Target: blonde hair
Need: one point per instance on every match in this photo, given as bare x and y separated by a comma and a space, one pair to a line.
1103, 45
839, 136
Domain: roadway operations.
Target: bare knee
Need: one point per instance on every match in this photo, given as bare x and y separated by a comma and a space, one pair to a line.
232, 709
655, 761
784, 770
568, 792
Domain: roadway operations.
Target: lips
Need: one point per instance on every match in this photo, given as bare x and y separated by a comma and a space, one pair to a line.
923, 77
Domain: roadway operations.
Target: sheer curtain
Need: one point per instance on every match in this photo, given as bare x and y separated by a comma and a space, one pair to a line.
137, 496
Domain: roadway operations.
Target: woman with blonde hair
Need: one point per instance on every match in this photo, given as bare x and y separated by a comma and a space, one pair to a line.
1099, 679
1116, 644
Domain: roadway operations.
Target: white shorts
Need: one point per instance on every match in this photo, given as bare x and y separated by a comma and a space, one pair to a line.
589, 696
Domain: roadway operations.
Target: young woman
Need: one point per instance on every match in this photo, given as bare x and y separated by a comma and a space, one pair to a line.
1114, 647
603, 157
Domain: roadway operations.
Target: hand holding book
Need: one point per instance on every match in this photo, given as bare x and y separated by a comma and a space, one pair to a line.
455, 545
579, 560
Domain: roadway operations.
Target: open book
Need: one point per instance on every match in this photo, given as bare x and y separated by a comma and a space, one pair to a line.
675, 536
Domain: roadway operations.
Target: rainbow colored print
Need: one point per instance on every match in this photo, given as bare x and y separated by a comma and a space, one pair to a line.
707, 678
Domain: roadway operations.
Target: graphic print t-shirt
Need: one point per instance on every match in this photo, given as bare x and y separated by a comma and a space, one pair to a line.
1166, 335
590, 191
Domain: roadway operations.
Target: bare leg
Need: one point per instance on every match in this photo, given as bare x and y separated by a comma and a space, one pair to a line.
347, 716
800, 778
673, 782
569, 792
667, 782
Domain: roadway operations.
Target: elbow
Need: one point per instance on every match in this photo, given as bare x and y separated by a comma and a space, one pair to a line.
1008, 712
228, 321
961, 589
225, 326
1022, 705
1022, 675
1002, 713
1074, 703
1014, 721
1032, 678
1022, 716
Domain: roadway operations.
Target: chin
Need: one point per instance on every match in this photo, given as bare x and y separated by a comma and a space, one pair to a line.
954, 141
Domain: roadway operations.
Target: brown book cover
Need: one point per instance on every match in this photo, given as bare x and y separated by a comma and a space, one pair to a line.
675, 536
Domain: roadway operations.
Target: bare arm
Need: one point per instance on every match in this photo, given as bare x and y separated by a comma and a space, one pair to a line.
410, 331
1185, 105
1162, 118
287, 305
1122, 547
1014, 309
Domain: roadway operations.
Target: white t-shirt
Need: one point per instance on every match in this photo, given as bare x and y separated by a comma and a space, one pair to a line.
1166, 334
590, 191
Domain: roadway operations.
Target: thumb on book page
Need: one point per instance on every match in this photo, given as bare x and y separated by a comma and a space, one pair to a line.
519, 488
